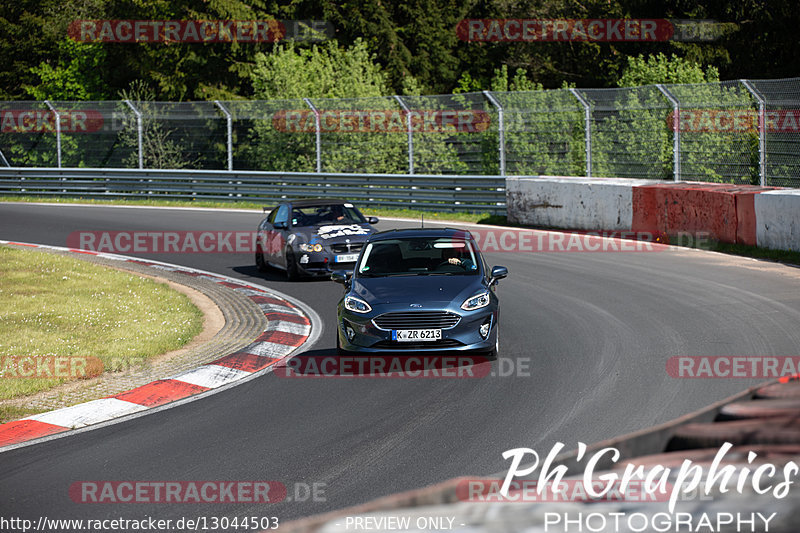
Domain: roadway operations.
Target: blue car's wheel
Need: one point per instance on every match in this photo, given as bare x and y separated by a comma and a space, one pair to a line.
339, 349
494, 351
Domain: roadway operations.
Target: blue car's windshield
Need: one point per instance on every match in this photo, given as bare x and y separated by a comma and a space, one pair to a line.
419, 256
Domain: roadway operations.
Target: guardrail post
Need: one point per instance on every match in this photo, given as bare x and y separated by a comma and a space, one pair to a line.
319, 139
762, 131
410, 133
229, 120
501, 130
138, 131
58, 130
676, 130
587, 110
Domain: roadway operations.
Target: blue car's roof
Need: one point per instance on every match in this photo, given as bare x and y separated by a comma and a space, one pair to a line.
420, 233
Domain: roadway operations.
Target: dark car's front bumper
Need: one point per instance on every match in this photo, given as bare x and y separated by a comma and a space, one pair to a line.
319, 264
365, 336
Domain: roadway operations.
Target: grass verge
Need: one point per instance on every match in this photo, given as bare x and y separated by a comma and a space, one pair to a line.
778, 256
63, 319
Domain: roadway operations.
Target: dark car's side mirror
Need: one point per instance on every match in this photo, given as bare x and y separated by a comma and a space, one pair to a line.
372, 220
341, 276
280, 225
498, 273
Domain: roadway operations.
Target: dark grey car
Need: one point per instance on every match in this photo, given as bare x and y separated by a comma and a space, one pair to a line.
421, 290
312, 237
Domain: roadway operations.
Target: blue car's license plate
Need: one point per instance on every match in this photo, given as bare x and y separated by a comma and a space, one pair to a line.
416, 335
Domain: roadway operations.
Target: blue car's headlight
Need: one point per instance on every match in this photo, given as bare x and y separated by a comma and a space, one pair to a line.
476, 302
351, 303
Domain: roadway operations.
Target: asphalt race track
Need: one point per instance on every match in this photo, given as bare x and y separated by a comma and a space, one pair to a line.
585, 338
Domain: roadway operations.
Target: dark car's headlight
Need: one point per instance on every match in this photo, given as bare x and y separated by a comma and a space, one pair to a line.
357, 305
310, 247
476, 302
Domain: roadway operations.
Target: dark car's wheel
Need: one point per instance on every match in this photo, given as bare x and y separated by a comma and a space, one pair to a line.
292, 273
261, 265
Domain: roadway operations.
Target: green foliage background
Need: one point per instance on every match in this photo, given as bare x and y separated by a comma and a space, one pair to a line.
406, 48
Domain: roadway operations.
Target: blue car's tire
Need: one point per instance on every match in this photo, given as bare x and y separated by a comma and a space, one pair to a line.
339, 349
492, 354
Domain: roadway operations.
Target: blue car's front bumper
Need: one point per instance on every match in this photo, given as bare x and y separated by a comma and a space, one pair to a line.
364, 336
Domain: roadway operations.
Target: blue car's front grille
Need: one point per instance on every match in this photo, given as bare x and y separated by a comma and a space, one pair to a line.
417, 320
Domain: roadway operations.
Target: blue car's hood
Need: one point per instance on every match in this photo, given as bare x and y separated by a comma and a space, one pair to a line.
435, 290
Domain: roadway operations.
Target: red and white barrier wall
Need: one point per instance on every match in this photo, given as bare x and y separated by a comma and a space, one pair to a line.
756, 216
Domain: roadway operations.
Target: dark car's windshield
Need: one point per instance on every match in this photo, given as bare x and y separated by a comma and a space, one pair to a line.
419, 256
326, 214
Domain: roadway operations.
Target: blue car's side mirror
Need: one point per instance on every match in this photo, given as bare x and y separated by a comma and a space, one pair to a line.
498, 273
372, 220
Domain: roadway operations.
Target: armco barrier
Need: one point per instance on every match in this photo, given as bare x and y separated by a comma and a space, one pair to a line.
778, 219
436, 192
751, 215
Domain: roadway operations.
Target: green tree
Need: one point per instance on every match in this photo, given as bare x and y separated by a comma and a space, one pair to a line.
75, 76
659, 68
323, 71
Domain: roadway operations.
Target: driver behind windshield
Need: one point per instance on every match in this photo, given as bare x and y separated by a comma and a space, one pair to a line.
454, 256
334, 213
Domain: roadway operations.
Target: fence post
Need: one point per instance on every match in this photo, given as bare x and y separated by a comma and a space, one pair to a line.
138, 131
229, 120
676, 129
587, 110
319, 139
762, 131
58, 131
410, 133
501, 130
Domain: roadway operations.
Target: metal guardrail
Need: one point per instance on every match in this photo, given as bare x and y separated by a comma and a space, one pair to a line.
418, 191
736, 132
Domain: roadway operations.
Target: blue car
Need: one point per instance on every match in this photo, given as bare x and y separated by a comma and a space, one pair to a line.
419, 290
